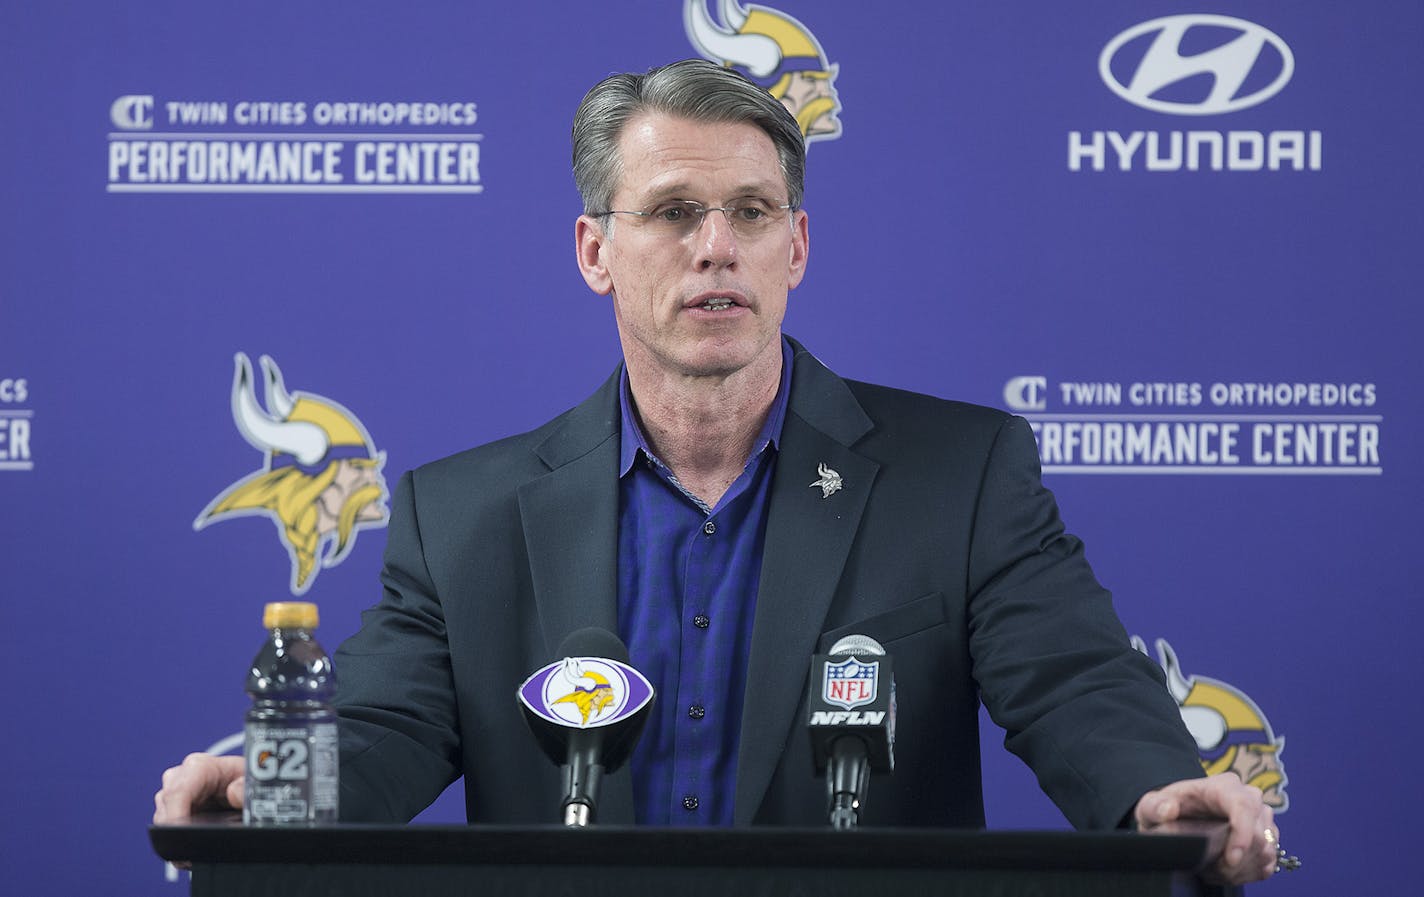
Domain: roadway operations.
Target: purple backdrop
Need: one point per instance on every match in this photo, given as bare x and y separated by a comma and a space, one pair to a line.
1186, 248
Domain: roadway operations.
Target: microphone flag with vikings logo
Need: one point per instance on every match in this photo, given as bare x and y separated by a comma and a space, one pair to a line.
587, 710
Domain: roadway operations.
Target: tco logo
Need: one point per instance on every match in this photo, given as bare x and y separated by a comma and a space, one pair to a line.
132, 113
1167, 64
1026, 393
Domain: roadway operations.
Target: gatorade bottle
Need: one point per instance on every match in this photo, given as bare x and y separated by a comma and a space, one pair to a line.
290, 737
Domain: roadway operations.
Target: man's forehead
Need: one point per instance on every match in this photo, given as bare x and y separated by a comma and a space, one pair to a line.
666, 156
652, 119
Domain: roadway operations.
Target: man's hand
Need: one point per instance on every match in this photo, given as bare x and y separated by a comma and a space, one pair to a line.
202, 782
1250, 853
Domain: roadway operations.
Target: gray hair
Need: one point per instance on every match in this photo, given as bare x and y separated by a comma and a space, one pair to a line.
694, 89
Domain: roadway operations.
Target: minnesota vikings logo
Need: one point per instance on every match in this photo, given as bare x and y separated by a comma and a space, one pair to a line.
584, 692
1231, 732
830, 481
320, 479
775, 51
592, 693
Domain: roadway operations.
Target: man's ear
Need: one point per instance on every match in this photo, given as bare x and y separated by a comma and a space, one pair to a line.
800, 248
590, 245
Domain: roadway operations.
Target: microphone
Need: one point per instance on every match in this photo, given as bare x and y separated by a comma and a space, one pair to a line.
586, 711
852, 722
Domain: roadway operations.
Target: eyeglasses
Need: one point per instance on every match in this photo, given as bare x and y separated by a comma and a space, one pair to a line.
750, 216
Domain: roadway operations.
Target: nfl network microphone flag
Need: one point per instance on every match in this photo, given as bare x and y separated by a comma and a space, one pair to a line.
852, 696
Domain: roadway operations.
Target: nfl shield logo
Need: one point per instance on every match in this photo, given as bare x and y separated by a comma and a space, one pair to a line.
850, 683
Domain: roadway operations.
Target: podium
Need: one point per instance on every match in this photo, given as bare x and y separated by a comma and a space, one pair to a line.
230, 860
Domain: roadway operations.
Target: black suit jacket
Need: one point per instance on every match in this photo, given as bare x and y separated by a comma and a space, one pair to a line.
943, 545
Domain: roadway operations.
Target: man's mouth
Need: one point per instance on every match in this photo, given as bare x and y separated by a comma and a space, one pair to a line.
715, 301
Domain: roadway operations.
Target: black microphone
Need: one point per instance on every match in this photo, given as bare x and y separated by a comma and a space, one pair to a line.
586, 710
852, 722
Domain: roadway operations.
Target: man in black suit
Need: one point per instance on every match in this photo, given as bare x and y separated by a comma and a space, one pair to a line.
859, 509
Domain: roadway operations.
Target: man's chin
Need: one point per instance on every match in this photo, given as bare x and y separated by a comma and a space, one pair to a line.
705, 354
722, 358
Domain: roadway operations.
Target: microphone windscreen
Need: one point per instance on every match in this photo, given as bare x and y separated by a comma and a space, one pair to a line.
857, 644
594, 642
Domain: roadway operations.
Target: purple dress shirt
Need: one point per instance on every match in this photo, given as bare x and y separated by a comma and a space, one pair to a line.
687, 588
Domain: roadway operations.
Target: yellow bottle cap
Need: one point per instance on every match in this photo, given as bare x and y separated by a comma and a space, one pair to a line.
289, 615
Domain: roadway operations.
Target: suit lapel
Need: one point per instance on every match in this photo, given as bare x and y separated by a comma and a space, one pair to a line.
570, 520
808, 538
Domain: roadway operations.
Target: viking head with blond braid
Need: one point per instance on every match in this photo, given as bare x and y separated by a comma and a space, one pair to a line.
592, 692
1231, 732
320, 481
776, 51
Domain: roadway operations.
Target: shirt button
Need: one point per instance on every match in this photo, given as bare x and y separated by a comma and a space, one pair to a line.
697, 711
689, 802
701, 621
709, 527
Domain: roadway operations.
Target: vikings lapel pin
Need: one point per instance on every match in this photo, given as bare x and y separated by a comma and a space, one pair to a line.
830, 481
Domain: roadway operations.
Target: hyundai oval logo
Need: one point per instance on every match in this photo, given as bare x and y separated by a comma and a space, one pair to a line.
1196, 64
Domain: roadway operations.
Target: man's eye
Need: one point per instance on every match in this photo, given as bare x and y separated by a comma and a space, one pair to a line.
670, 212
751, 212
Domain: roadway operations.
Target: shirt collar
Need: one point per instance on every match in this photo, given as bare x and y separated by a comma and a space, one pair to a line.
635, 441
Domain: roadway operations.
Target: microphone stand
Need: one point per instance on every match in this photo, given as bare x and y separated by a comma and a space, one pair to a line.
847, 780
583, 777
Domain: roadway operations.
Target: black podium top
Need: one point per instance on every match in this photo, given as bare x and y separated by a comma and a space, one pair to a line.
233, 860
222, 838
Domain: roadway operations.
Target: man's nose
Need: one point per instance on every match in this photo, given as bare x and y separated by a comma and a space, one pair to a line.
716, 242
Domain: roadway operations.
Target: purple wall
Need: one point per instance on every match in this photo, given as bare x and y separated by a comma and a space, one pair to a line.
419, 275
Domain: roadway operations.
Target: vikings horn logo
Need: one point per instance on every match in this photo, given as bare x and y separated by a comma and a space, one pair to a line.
592, 691
1231, 732
775, 51
320, 480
